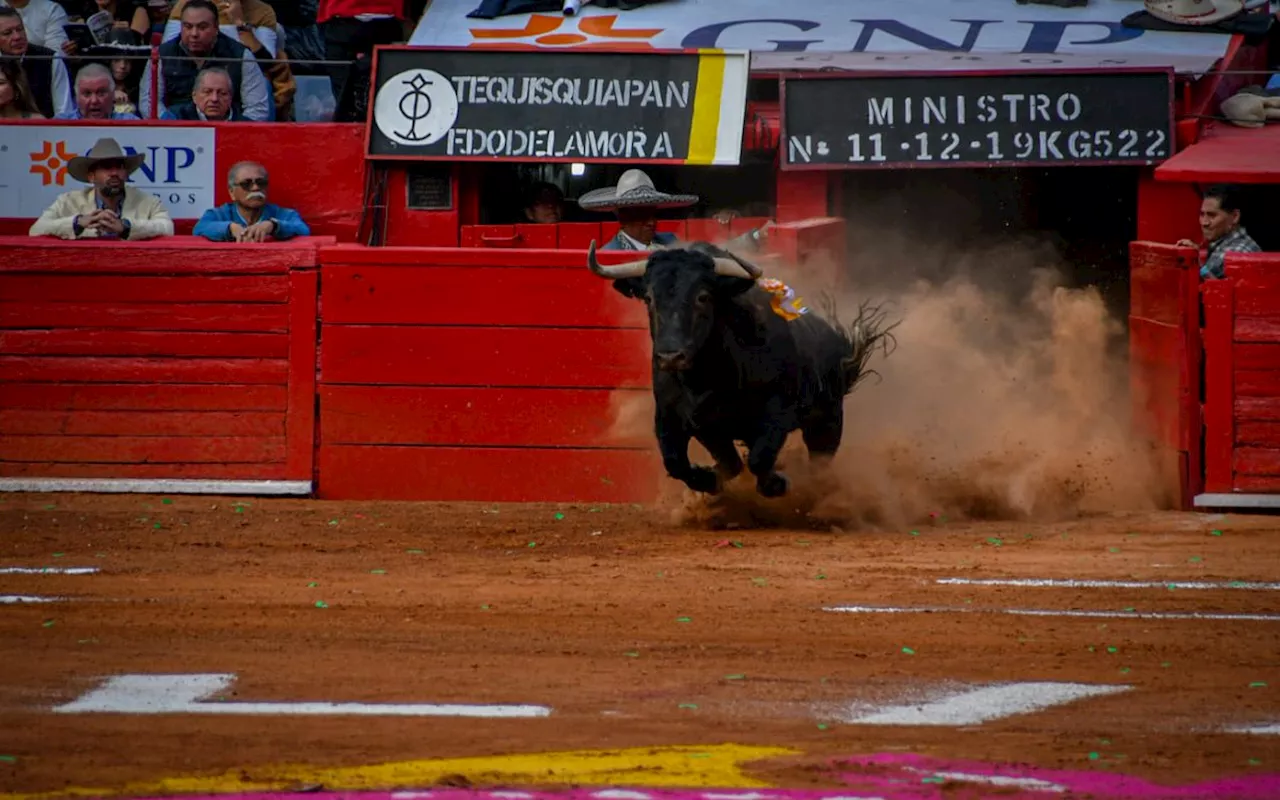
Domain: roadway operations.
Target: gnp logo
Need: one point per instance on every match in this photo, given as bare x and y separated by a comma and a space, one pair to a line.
161, 166
593, 33
50, 163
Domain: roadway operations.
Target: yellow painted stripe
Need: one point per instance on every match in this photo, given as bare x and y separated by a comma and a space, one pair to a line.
691, 766
706, 107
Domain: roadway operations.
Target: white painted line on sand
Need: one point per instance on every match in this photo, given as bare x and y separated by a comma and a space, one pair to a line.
48, 570
8, 599
1101, 584
976, 706
179, 694
1045, 612
1003, 781
155, 486
1258, 730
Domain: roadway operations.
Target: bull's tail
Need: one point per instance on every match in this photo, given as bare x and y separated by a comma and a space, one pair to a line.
867, 333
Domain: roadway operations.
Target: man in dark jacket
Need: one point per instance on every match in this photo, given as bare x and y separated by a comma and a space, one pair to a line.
46, 71
182, 58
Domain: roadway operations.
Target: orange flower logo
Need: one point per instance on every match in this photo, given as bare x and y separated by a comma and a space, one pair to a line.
546, 29
51, 163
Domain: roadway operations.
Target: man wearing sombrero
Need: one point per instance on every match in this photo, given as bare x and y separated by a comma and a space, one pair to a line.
636, 203
107, 209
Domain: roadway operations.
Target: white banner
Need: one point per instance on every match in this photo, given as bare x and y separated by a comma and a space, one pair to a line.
947, 32
179, 165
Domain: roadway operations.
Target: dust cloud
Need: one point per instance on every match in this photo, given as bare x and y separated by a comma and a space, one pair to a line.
1004, 396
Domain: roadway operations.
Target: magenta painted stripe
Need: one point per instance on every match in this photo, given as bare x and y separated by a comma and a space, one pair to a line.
892, 776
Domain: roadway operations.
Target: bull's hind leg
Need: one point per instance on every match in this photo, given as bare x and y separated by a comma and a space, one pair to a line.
822, 435
725, 452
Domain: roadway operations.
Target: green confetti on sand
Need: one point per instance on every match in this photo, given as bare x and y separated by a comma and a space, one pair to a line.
9, 759
689, 705
803, 542
239, 509
1194, 560
1253, 762
333, 522
683, 619
312, 585
1165, 664
1104, 741
377, 572
1130, 608
760, 581
157, 526
1124, 670
1094, 756
1215, 533
915, 533
908, 651
699, 755
735, 677
995, 541
934, 779
632, 654
1113, 549
1258, 685
822, 727
1113, 649
48, 623
820, 577
59, 555
414, 552
167, 501
484, 607
321, 604
49, 508
559, 515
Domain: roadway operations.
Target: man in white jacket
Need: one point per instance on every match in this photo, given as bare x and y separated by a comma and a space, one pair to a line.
107, 209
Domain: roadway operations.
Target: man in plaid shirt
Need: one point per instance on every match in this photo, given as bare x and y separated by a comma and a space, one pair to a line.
1223, 233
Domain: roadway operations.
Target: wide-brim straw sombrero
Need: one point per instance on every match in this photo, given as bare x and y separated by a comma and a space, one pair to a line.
634, 190
102, 150
1194, 12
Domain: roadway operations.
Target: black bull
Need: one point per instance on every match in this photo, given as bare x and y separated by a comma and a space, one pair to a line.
727, 368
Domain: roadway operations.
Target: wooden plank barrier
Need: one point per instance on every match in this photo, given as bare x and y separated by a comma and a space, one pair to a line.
174, 359
1242, 383
578, 235
478, 374
1165, 358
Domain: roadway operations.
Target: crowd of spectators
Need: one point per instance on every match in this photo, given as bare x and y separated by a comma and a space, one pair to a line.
222, 60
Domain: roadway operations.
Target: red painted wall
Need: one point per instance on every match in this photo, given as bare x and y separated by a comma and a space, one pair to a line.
171, 359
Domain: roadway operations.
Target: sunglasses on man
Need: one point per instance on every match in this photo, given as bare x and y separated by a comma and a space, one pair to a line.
250, 183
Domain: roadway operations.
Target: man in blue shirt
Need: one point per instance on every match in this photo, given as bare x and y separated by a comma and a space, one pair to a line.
95, 95
249, 217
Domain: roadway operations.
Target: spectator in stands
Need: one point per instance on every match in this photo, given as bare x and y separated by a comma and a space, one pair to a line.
253, 24
45, 69
107, 209
636, 202
210, 99
15, 95
127, 73
182, 58
352, 28
125, 14
298, 18
95, 95
545, 205
158, 15
249, 217
43, 21
1223, 233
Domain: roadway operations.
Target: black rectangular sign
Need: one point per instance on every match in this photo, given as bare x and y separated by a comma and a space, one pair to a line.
470, 104
947, 120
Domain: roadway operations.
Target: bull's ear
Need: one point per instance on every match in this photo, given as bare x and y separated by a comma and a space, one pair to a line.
728, 286
630, 287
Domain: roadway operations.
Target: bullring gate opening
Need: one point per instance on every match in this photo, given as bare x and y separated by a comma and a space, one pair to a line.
428, 336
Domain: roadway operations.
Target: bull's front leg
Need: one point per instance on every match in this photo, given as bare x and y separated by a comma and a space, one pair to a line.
673, 442
764, 456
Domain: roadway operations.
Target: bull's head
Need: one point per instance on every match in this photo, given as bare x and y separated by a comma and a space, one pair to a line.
683, 288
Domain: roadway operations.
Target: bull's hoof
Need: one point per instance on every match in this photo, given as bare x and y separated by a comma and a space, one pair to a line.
702, 479
774, 484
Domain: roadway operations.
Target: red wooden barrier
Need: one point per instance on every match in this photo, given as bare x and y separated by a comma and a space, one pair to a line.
578, 235
476, 374
1165, 357
166, 359
1242, 377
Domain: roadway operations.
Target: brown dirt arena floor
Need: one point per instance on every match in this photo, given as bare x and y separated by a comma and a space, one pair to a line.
580, 608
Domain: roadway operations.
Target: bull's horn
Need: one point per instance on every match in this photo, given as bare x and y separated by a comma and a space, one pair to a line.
733, 268
631, 269
755, 271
